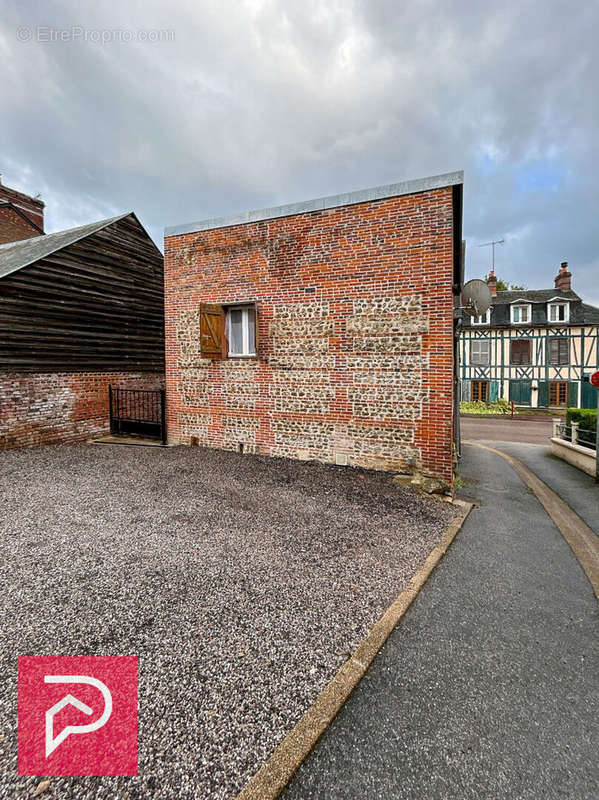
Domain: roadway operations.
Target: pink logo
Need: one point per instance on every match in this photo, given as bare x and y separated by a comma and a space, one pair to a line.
77, 715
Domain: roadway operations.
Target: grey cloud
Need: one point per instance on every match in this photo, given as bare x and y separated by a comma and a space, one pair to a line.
265, 102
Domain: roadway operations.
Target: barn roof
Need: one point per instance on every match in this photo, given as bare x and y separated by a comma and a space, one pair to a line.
16, 255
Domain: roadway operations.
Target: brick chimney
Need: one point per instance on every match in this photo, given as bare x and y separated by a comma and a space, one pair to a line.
563, 279
492, 283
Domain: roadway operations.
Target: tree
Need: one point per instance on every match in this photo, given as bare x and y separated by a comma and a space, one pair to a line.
502, 286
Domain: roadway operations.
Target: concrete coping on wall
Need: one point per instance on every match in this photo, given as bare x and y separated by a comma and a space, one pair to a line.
581, 457
323, 203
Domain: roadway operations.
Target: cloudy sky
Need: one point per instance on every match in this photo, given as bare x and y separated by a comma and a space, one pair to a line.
185, 110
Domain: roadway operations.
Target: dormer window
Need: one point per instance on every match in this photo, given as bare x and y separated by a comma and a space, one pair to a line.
559, 312
520, 313
483, 319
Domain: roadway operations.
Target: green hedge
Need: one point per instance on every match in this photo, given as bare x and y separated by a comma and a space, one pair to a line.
587, 424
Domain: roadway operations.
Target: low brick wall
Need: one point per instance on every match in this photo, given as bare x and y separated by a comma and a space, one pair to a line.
59, 407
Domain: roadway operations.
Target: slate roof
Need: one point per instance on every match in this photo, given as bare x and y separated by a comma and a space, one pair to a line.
16, 255
580, 313
590, 314
533, 295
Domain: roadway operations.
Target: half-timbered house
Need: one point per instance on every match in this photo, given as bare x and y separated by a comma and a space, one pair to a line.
534, 347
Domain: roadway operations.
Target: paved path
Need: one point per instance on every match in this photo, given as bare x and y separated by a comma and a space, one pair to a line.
489, 687
578, 489
499, 429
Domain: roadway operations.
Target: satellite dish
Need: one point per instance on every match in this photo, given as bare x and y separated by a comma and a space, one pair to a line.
475, 297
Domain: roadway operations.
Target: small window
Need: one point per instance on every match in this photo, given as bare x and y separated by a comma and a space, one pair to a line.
483, 319
559, 312
480, 351
558, 393
520, 351
241, 331
559, 350
479, 390
520, 314
228, 331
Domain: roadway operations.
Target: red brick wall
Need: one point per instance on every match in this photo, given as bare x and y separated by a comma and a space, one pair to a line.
13, 227
53, 407
30, 206
355, 360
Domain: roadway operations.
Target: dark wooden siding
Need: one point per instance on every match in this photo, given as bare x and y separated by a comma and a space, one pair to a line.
97, 304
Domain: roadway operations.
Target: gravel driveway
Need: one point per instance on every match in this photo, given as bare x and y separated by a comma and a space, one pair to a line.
241, 582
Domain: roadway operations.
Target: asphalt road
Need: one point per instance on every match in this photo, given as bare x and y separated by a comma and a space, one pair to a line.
579, 490
536, 430
489, 687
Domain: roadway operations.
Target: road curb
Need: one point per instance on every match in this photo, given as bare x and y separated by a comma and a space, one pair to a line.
275, 774
583, 541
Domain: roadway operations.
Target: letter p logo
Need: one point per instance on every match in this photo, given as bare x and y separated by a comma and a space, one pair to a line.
100, 701
53, 742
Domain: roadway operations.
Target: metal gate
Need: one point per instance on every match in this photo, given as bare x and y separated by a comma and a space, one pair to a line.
137, 412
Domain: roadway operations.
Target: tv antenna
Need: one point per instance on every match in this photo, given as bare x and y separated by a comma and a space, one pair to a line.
492, 246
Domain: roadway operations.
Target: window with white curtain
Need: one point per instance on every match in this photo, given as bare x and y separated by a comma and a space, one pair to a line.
241, 331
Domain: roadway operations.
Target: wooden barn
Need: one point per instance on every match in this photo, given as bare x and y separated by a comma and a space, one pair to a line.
80, 310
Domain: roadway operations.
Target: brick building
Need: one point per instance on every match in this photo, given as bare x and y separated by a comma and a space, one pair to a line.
322, 330
21, 216
80, 310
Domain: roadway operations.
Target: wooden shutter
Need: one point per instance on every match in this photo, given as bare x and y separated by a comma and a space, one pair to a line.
572, 396
212, 331
520, 351
559, 350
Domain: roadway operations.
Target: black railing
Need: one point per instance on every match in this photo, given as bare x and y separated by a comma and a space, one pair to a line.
137, 412
580, 437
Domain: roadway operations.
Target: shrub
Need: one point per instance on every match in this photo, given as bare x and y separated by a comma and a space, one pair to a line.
500, 406
504, 405
587, 424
